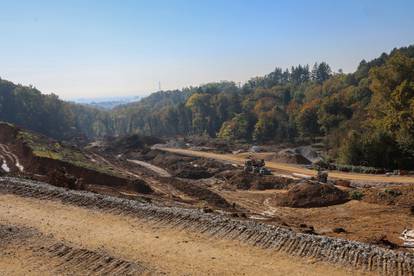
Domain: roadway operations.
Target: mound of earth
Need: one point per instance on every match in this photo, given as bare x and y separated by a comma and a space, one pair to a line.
167, 160
193, 173
245, 181
183, 166
61, 178
312, 194
309, 153
399, 196
219, 145
131, 142
290, 156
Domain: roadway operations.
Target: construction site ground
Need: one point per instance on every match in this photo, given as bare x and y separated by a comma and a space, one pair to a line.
51, 237
361, 220
81, 239
291, 168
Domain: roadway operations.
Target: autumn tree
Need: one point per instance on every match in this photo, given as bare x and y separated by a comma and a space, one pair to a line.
307, 119
392, 105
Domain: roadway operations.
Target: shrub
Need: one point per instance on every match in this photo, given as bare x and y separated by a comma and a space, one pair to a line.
356, 195
350, 168
393, 193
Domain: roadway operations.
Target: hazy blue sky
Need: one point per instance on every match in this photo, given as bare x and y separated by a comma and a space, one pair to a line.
108, 48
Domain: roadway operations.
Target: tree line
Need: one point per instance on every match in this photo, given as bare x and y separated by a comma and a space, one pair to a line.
364, 118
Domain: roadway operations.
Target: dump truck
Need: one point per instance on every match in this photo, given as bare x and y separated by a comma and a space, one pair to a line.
256, 166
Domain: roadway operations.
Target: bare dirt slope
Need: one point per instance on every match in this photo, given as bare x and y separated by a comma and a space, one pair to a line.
46, 237
289, 168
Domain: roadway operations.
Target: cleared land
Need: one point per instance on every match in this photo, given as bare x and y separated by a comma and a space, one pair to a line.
161, 212
56, 238
289, 168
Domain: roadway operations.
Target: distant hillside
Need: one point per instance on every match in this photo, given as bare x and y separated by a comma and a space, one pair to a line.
108, 102
25, 106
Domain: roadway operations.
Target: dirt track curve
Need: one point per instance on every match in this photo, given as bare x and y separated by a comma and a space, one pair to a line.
159, 171
290, 168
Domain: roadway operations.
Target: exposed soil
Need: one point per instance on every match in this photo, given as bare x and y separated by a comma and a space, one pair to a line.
291, 168
27, 251
245, 181
199, 192
133, 171
133, 142
53, 238
182, 166
394, 195
218, 145
290, 156
61, 178
157, 170
192, 172
260, 204
140, 186
79, 174
361, 221
311, 194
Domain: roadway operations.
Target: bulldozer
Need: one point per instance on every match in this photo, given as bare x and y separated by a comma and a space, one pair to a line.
256, 166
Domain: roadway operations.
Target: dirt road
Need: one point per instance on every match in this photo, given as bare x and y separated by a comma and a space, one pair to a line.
160, 171
290, 168
48, 237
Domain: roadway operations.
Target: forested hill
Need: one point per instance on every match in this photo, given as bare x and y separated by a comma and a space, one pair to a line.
366, 117
27, 107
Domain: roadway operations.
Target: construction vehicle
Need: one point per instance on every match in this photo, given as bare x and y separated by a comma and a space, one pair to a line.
322, 175
256, 166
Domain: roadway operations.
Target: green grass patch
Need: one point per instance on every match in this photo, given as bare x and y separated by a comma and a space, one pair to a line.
47, 148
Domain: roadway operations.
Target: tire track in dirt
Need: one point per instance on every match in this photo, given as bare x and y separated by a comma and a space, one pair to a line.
163, 248
30, 249
347, 253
